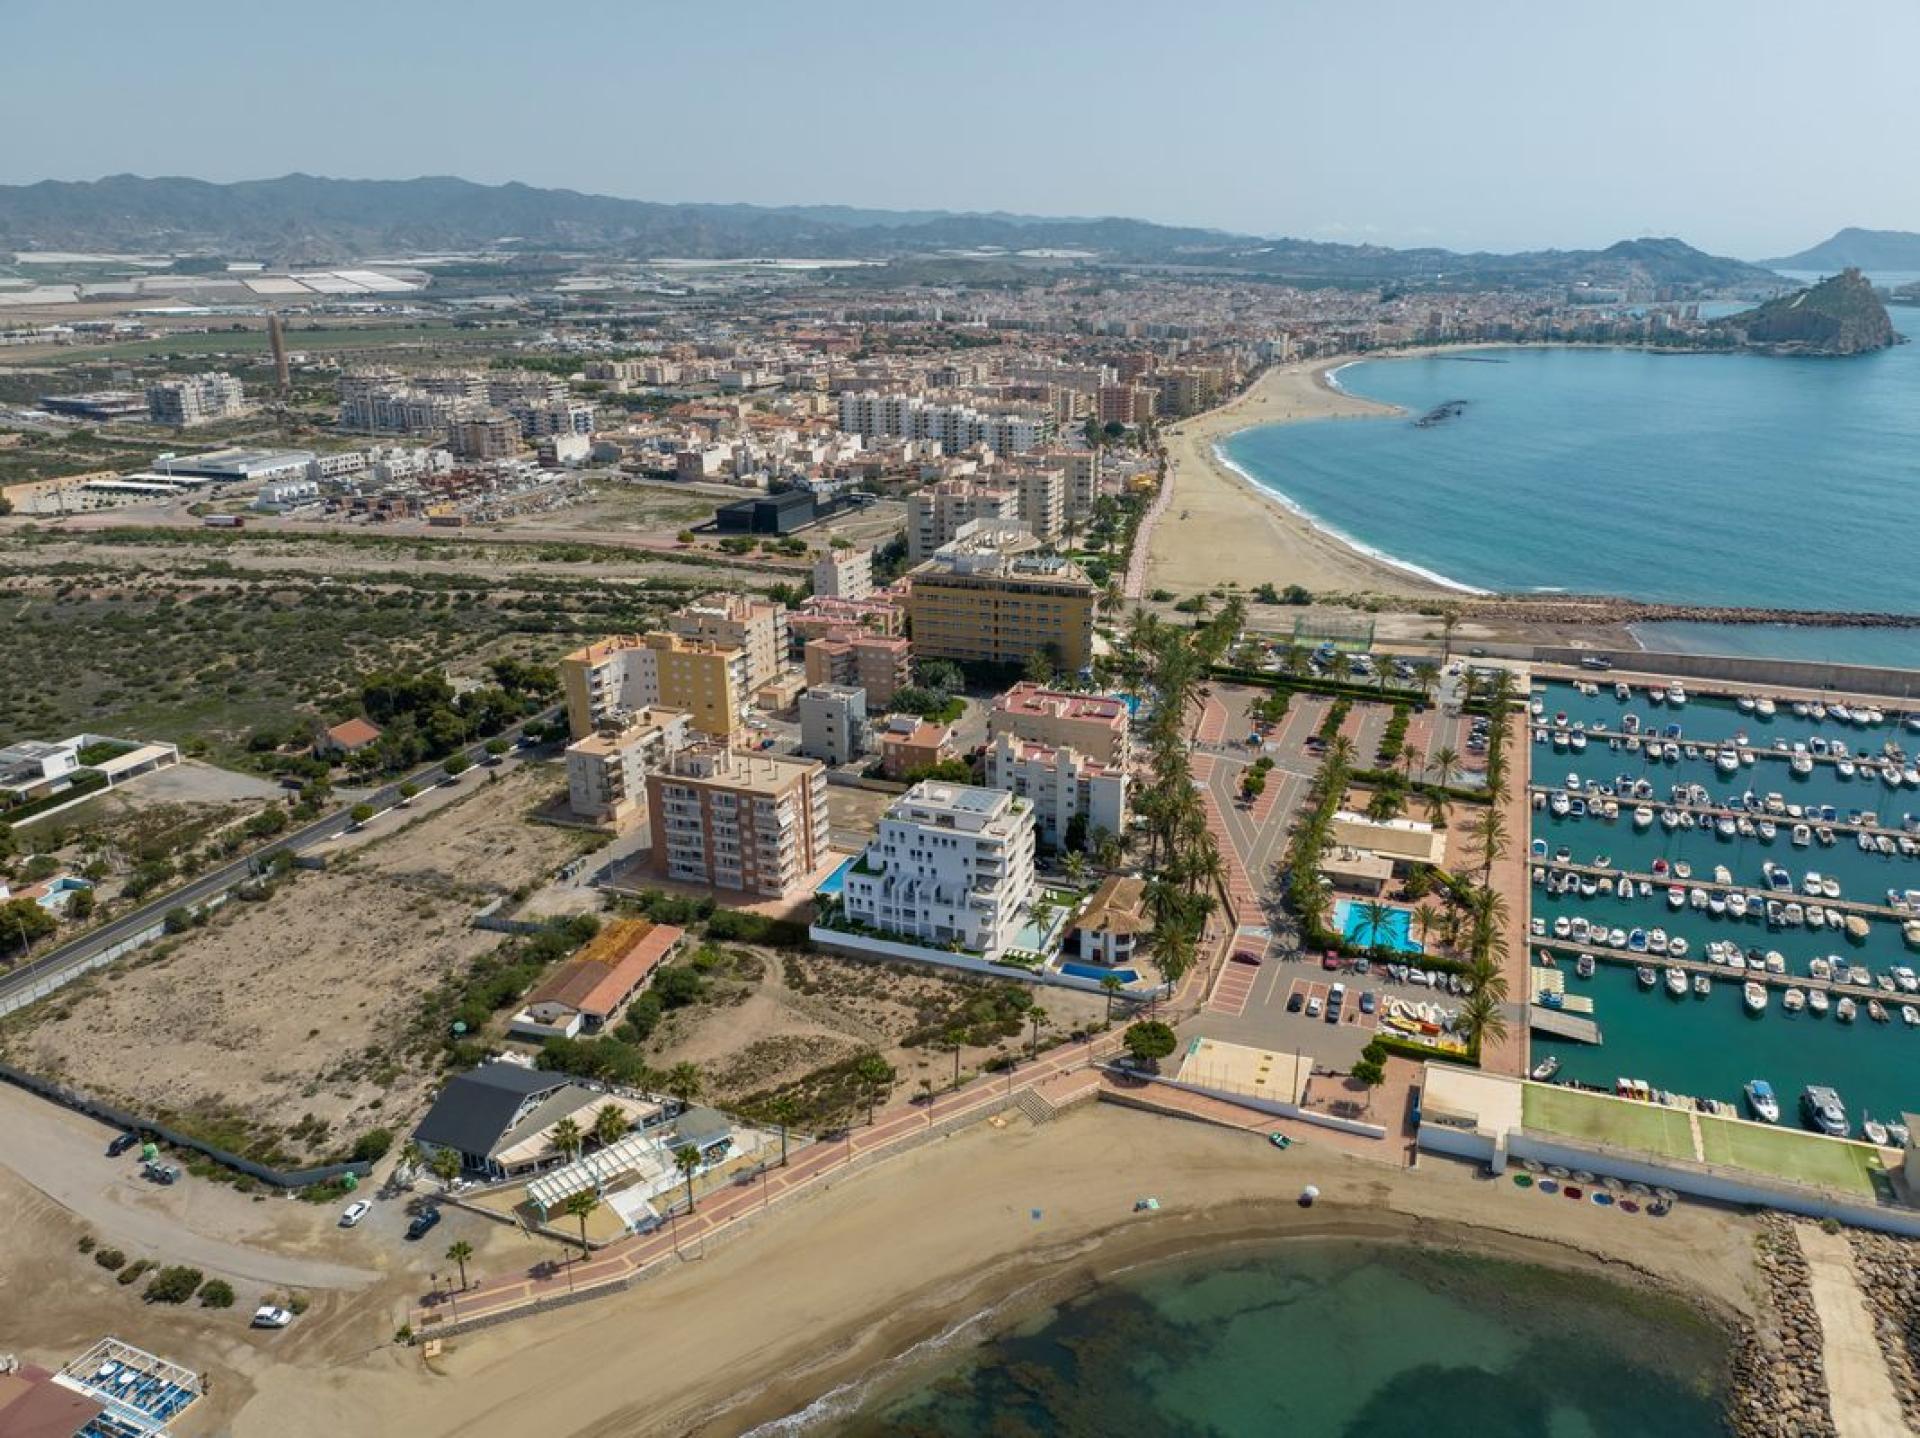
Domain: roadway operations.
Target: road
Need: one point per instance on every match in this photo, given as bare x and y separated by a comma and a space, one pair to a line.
218, 881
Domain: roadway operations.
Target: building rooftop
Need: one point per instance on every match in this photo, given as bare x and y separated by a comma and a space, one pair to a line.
1027, 697
604, 743
935, 800
619, 960
1119, 906
724, 768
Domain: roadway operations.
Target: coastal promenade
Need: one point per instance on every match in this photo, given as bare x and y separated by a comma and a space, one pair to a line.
1062, 1075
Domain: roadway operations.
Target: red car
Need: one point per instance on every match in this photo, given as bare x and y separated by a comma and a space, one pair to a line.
1332, 960
1246, 956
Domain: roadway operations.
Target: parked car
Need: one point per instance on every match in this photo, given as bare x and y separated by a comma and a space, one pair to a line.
121, 1143
351, 1215
269, 1315
423, 1223
1369, 1001
1295, 1002
1331, 960
1246, 956
1313, 1007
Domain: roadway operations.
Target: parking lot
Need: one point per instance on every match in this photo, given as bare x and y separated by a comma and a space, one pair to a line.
1282, 1002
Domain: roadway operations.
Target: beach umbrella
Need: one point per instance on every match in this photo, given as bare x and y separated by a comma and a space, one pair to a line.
1308, 1195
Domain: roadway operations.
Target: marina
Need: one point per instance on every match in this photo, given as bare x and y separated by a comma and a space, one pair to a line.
1731, 884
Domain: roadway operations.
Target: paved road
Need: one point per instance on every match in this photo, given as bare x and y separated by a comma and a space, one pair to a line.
218, 881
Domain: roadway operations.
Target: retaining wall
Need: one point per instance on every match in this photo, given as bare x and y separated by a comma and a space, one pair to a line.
1735, 669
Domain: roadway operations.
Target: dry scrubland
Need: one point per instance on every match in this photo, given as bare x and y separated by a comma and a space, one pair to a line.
286, 1020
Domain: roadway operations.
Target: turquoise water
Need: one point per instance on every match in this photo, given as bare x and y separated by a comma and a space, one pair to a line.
1896, 648
1396, 933
1334, 1339
1676, 477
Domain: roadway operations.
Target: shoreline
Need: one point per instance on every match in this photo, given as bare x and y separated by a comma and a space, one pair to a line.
837, 1287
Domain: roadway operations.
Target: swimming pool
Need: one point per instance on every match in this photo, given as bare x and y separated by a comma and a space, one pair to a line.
1095, 972
1396, 931
837, 880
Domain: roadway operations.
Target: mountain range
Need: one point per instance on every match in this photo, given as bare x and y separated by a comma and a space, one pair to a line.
305, 219
1857, 249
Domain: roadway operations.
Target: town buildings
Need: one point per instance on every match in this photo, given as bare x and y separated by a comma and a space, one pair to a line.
1096, 725
590, 990
843, 574
981, 599
756, 627
731, 819
633, 672
909, 745
607, 770
954, 426
1074, 795
937, 514
196, 399
951, 867
1112, 927
485, 436
878, 664
833, 723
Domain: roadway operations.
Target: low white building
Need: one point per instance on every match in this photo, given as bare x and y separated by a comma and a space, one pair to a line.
1063, 785
951, 866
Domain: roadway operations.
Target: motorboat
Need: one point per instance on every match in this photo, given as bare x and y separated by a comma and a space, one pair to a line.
1754, 996
1762, 1100
1677, 983
1793, 1000
1584, 966
1646, 976
1702, 986
1546, 1068
1822, 1108
1802, 835
1877, 1011
1873, 1131
1765, 707
1909, 1015
1642, 817
1845, 1009
1817, 1002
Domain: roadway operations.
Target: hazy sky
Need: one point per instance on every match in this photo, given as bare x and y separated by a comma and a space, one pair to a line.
1747, 127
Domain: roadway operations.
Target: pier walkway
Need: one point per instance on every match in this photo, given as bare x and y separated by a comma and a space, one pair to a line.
1663, 882
1862, 1398
1716, 811
1804, 982
1558, 1024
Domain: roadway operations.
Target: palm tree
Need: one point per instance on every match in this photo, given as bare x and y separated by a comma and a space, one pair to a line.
1482, 1019
687, 1158
1108, 848
1379, 920
1076, 866
1428, 673
565, 1139
1446, 761
876, 1075
1039, 1018
445, 1166
1340, 666
1438, 810
926, 1097
1426, 918
956, 1038
1110, 985
1486, 976
411, 1155
684, 1082
459, 1252
1449, 622
783, 1111
610, 1125
581, 1206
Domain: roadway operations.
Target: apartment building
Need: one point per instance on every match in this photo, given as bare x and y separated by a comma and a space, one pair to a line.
756, 627
1127, 403
1063, 786
880, 664
197, 399
1092, 724
936, 514
981, 598
954, 426
1040, 502
910, 744
820, 616
607, 771
487, 436
1081, 468
383, 401
950, 867
627, 673
833, 723
843, 574
756, 823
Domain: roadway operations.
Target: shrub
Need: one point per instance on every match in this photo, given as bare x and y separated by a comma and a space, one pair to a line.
361, 813
131, 1273
457, 764
175, 1283
111, 1259
86, 1243
216, 1293
372, 1145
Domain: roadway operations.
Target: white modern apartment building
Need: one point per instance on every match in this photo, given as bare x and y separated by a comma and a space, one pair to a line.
844, 574
1063, 786
197, 399
956, 426
951, 865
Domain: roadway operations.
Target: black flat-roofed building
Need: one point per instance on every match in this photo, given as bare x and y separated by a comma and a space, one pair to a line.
767, 513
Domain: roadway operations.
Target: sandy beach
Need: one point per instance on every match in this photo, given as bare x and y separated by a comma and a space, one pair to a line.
1219, 526
828, 1290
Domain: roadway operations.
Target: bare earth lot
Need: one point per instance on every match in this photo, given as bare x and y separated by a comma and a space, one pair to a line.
280, 1010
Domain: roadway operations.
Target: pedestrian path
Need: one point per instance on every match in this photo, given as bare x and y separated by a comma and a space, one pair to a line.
1861, 1394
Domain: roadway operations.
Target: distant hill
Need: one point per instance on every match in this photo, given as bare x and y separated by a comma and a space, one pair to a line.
1838, 316
305, 219
1857, 249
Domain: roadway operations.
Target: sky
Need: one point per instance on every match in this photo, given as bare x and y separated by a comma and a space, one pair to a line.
1747, 127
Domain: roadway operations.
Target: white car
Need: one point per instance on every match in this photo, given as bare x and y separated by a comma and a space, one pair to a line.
354, 1212
269, 1316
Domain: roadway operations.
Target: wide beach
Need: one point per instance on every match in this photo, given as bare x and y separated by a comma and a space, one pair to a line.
1218, 525
828, 1290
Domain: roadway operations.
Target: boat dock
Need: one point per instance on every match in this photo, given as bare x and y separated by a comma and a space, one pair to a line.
1628, 803
1663, 882
1659, 962
1558, 1024
1706, 748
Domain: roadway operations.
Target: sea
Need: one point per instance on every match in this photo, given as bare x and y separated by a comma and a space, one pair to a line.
1329, 1338
1718, 479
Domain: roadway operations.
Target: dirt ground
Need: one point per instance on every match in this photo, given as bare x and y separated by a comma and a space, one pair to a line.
290, 1008
803, 1012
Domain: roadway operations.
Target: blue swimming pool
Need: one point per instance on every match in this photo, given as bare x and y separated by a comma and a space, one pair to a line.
837, 880
1095, 972
1396, 931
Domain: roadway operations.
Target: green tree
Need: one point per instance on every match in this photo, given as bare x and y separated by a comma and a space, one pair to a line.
580, 1206
1446, 763
1371, 1074
956, 1038
783, 1111
459, 1252
687, 1158
566, 1139
1110, 985
1149, 1041
445, 1166
1039, 1018
684, 1081
1482, 1020
610, 1125
876, 1076
1378, 920
361, 813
